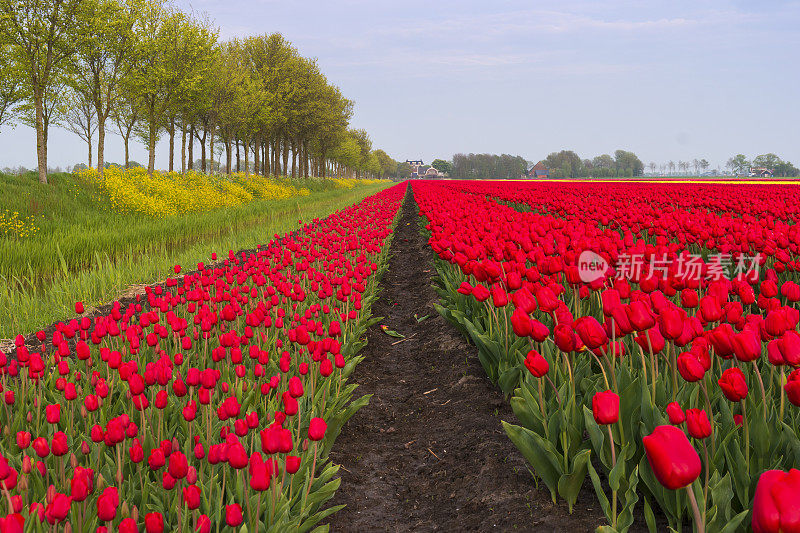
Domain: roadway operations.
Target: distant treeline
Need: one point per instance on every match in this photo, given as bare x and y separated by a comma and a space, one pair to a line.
491, 166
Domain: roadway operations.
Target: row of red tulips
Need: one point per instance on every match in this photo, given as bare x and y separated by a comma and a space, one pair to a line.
211, 401
682, 378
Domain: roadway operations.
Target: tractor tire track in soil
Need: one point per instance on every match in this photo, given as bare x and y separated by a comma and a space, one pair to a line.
428, 453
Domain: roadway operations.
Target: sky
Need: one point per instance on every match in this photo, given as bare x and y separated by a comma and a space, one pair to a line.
668, 80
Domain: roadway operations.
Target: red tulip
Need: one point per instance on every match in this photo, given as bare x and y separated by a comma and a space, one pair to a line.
674, 461
128, 525
521, 323
53, 413
776, 505
316, 429
733, 384
697, 423
690, 367
605, 407
233, 515
191, 496
591, 332
178, 465
536, 364
792, 388
107, 504
675, 413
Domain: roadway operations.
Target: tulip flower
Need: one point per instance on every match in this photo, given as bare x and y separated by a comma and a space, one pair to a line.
536, 364
233, 515
674, 461
591, 332
733, 384
776, 505
316, 429
675, 414
697, 423
605, 407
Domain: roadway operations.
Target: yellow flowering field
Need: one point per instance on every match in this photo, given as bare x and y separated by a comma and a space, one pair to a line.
168, 194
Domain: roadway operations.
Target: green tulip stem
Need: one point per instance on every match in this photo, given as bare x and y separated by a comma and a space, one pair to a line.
705, 484
613, 465
783, 394
761, 385
710, 415
602, 369
746, 435
673, 355
653, 368
699, 523
541, 407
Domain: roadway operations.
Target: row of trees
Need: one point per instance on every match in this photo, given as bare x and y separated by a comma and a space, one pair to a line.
739, 164
153, 70
568, 164
491, 166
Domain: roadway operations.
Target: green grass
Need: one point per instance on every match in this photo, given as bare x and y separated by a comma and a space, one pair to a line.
85, 252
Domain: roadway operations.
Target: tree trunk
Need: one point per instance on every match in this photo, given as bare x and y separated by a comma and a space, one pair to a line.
246, 157
190, 165
211, 150
228, 157
127, 140
256, 145
265, 159
203, 151
89, 142
183, 147
171, 144
239, 158
151, 148
101, 144
286, 156
41, 137
294, 159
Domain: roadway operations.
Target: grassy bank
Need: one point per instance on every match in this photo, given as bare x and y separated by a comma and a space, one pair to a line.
76, 248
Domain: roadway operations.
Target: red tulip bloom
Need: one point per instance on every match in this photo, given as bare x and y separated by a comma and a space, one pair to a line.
747, 346
521, 323
316, 429
605, 407
79, 308
733, 384
675, 413
191, 497
776, 505
672, 457
697, 423
58, 509
536, 364
233, 515
128, 525
591, 332
53, 413
690, 367
792, 388
107, 504
178, 465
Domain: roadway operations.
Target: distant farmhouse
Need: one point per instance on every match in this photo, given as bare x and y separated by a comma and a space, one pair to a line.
538, 171
421, 170
761, 172
414, 164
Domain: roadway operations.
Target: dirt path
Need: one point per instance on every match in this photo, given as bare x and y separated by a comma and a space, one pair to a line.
428, 453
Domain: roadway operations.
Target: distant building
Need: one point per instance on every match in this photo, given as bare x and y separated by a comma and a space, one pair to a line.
415, 164
538, 171
761, 172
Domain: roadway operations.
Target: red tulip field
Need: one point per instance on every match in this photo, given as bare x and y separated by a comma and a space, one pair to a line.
638, 340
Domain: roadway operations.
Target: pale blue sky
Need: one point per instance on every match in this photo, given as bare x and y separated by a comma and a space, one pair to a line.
668, 80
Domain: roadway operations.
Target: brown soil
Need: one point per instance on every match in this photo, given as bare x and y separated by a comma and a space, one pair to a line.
428, 453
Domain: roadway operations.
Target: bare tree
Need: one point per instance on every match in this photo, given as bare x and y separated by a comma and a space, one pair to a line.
80, 118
